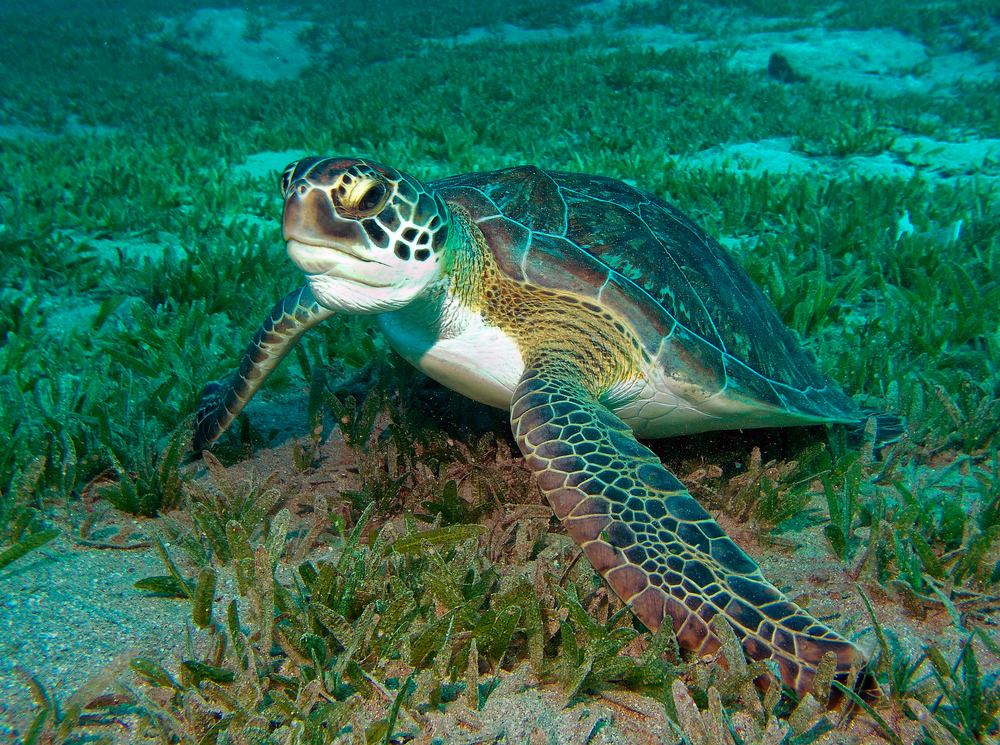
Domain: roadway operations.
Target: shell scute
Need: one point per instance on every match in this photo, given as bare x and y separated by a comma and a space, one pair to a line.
527, 194
750, 385
555, 262
509, 241
648, 321
689, 359
472, 200
623, 242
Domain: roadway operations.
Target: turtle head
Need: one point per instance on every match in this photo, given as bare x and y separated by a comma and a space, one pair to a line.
369, 238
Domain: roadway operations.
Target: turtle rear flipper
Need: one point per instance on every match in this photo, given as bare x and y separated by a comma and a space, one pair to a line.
285, 325
660, 551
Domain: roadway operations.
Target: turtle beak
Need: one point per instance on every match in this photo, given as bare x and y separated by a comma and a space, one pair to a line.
310, 217
320, 241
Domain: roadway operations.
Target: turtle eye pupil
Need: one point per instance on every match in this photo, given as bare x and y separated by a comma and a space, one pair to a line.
372, 199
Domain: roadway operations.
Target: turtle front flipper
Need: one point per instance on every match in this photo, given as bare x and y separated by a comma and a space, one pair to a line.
660, 551
284, 326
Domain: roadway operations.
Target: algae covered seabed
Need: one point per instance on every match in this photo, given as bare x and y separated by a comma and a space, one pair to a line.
848, 155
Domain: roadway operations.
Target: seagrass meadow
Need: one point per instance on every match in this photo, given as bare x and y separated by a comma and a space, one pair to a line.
365, 558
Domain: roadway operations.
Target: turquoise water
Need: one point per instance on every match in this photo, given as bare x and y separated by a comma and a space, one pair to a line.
847, 157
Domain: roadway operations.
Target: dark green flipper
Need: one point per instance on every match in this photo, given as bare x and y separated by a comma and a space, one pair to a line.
222, 402
653, 543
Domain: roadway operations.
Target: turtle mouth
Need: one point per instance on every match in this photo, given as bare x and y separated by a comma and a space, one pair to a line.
332, 260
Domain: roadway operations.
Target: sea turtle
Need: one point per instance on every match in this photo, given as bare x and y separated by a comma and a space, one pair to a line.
596, 313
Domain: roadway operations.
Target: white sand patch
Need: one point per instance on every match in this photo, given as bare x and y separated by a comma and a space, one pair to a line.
753, 158
71, 127
267, 164
115, 251
74, 128
66, 313
884, 61
883, 165
512, 34
19, 132
255, 46
908, 157
68, 611
604, 8
950, 158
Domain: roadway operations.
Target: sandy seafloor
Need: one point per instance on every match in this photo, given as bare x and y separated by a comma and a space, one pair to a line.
67, 610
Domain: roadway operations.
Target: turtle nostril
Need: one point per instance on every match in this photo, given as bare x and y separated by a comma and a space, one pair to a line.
302, 190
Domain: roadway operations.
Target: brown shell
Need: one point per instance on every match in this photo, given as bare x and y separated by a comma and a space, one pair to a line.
696, 311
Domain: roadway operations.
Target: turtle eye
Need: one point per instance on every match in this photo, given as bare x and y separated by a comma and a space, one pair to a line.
372, 199
365, 196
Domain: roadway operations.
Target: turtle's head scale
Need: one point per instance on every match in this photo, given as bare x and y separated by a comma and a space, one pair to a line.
369, 238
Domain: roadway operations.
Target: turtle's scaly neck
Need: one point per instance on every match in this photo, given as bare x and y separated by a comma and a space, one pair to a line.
469, 257
443, 334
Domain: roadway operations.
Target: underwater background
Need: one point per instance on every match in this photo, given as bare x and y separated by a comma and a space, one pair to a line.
847, 154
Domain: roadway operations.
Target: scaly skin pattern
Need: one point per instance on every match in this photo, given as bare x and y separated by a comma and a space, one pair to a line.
658, 549
221, 403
